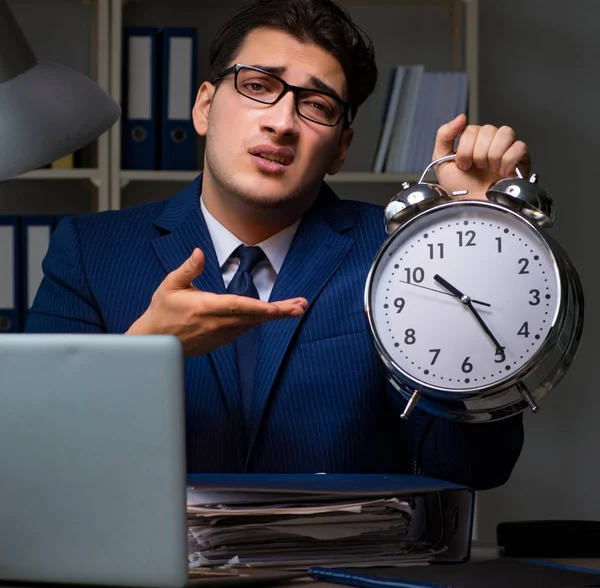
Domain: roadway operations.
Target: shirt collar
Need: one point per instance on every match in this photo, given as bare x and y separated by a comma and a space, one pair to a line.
225, 242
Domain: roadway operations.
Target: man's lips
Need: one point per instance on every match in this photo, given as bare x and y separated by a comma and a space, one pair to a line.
281, 155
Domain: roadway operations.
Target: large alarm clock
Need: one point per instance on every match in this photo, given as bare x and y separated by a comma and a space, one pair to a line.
475, 312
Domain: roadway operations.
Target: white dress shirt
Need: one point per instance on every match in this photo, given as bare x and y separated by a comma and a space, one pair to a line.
266, 271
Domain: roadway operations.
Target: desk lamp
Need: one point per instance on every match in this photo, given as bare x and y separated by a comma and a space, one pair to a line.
46, 110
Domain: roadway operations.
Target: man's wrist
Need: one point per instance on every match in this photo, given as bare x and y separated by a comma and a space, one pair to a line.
139, 327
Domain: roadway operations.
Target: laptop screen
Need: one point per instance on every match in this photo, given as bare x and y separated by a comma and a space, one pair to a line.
93, 460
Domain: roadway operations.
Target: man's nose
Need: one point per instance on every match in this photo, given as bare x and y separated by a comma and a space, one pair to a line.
281, 117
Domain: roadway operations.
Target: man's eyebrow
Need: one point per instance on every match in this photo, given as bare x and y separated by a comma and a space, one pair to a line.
277, 70
321, 85
315, 82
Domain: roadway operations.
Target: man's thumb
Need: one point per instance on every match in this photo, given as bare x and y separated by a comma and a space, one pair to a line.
188, 271
446, 135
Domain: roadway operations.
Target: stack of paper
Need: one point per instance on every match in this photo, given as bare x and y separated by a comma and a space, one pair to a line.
294, 531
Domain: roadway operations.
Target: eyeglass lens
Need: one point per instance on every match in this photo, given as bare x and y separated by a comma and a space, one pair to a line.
264, 88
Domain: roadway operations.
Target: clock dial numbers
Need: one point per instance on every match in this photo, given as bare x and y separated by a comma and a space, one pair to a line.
399, 304
499, 308
500, 356
524, 263
536, 297
436, 249
466, 238
414, 276
466, 366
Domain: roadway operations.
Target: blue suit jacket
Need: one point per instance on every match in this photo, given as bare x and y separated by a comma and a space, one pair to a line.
320, 403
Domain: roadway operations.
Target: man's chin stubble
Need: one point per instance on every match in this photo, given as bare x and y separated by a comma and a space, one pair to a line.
266, 200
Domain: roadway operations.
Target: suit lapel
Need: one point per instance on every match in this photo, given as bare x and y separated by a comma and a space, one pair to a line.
317, 250
185, 229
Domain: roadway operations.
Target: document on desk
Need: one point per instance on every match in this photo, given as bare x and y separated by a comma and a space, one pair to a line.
292, 522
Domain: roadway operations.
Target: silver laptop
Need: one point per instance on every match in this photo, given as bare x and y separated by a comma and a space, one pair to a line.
92, 461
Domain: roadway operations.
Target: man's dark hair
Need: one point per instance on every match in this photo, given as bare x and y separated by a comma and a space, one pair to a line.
322, 22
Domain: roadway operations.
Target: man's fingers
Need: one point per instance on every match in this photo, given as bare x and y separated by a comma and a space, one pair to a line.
245, 321
187, 272
296, 301
446, 135
488, 148
293, 308
243, 306
516, 156
466, 147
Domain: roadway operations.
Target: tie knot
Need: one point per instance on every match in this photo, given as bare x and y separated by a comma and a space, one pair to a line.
249, 257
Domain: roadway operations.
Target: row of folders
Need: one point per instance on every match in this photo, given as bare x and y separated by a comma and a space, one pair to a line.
159, 90
24, 243
418, 103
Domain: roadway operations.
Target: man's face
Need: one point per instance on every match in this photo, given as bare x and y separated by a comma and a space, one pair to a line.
242, 135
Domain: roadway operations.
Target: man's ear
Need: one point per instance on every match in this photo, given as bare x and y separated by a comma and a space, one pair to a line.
201, 109
341, 152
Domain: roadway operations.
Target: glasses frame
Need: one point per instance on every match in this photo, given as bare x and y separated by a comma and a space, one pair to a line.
295, 90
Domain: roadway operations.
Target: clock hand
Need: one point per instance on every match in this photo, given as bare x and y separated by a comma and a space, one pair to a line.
469, 303
441, 292
450, 288
485, 327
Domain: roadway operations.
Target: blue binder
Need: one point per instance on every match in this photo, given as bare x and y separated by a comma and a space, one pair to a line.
139, 132
36, 231
442, 510
501, 572
10, 274
178, 136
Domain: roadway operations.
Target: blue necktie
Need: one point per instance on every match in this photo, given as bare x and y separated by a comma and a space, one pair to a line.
246, 345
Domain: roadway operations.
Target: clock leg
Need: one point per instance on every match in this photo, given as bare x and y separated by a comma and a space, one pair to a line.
527, 396
410, 405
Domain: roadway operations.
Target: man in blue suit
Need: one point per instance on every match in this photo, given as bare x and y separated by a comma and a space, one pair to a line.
288, 78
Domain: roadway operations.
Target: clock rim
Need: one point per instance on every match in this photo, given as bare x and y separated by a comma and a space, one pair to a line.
412, 383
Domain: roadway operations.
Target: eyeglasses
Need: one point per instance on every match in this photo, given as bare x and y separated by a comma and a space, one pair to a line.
261, 86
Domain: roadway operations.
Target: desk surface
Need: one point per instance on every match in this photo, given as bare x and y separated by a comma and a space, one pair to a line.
480, 552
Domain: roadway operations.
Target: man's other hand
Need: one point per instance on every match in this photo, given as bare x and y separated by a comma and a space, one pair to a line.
204, 321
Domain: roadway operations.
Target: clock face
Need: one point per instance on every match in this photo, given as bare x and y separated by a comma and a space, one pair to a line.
464, 297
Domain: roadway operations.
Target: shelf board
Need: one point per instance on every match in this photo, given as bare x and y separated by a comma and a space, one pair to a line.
60, 174
346, 177
142, 175
372, 178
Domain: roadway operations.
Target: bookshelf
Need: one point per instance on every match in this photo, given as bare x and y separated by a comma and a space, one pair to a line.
132, 175
441, 34
457, 50
64, 19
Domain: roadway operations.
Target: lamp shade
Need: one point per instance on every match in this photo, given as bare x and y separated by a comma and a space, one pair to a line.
47, 110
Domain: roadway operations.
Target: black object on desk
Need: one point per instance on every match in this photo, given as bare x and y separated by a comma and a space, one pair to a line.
550, 538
